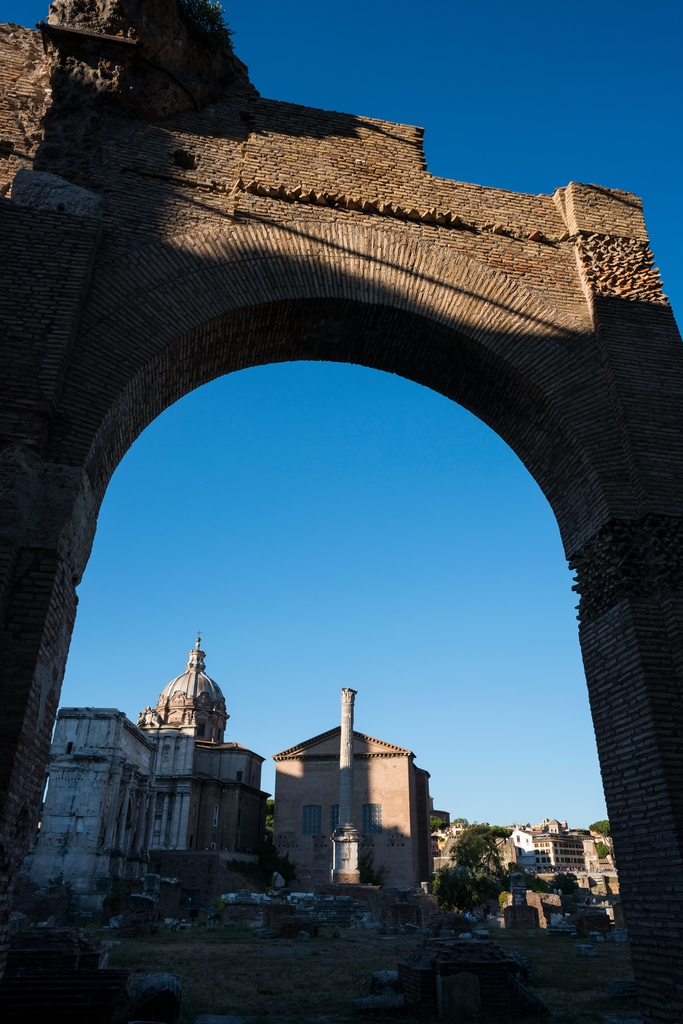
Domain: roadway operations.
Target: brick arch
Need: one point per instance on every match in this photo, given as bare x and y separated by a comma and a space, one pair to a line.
292, 233
184, 312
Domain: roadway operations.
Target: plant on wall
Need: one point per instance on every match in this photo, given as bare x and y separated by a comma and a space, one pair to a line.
206, 23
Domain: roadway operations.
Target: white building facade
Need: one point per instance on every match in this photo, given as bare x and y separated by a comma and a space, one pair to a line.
117, 791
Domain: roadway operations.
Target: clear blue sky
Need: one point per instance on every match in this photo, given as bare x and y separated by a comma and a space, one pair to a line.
329, 525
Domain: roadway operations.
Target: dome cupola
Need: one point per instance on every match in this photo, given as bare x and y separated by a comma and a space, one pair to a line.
193, 699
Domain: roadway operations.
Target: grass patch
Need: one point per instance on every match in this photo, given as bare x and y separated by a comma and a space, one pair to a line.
228, 971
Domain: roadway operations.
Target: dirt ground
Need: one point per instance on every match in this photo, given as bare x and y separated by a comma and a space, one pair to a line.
228, 971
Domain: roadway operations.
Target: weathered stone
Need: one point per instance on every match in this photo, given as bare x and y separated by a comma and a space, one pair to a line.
459, 996
384, 983
50, 192
157, 997
585, 949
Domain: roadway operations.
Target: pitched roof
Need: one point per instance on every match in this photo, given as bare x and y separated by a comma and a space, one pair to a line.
326, 745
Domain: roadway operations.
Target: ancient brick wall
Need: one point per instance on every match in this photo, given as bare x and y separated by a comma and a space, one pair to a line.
163, 227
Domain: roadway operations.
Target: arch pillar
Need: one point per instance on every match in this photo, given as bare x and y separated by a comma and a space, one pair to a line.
630, 578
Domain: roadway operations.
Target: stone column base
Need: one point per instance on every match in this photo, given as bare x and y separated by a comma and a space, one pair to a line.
346, 877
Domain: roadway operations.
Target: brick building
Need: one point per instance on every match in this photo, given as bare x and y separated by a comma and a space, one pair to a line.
119, 792
390, 808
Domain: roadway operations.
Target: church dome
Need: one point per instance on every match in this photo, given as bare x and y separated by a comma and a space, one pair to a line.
194, 681
191, 701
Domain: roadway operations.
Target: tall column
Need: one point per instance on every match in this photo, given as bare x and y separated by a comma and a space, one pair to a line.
175, 820
140, 821
127, 779
345, 838
149, 822
179, 837
164, 820
116, 771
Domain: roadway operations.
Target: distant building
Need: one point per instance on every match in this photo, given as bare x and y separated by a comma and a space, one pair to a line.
444, 816
523, 843
390, 808
118, 790
551, 847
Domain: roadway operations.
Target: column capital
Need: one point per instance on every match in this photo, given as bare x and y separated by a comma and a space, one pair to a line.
628, 558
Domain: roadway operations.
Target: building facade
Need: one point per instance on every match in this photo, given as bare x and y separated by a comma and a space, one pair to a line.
390, 808
117, 791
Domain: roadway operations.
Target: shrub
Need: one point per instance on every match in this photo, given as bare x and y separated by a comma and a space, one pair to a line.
269, 861
369, 874
206, 24
457, 888
566, 881
477, 850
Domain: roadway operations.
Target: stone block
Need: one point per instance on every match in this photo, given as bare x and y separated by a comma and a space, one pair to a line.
520, 916
384, 983
158, 997
459, 996
50, 192
585, 949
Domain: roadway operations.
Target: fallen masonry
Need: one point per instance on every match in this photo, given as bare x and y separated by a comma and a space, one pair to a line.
60, 975
457, 978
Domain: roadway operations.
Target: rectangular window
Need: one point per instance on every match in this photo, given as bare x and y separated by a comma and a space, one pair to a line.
194, 810
238, 776
334, 816
215, 815
372, 819
312, 824
200, 730
239, 817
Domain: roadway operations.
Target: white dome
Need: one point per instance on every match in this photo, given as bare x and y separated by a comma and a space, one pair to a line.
194, 680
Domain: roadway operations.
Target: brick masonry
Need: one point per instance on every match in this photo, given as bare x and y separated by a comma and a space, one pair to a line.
249, 231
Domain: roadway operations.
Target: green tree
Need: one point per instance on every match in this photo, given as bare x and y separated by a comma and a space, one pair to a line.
601, 827
460, 822
436, 824
369, 874
477, 850
566, 881
270, 861
531, 881
206, 24
270, 819
603, 850
457, 888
